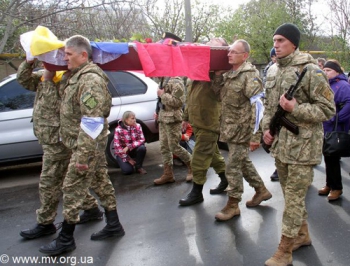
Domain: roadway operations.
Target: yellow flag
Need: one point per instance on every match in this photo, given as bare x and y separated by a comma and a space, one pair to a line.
57, 78
44, 41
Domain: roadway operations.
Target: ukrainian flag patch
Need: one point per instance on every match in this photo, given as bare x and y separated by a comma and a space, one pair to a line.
319, 72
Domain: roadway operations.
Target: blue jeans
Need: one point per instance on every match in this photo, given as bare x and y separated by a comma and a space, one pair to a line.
138, 154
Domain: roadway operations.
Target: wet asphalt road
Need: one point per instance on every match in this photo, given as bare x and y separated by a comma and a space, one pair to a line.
160, 232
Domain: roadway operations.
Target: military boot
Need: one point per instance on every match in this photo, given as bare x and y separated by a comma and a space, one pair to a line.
222, 185
303, 238
283, 255
38, 231
63, 243
261, 194
189, 176
229, 211
91, 215
195, 196
167, 177
113, 227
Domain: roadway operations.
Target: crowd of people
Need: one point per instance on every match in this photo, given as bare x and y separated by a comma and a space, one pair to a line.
235, 106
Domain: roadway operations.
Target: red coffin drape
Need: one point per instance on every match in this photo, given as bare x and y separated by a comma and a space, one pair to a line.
159, 60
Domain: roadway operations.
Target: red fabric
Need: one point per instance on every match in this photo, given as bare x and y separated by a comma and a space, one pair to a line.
160, 60
187, 131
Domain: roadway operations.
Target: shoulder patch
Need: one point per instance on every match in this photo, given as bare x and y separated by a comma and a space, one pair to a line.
89, 101
326, 93
319, 72
255, 80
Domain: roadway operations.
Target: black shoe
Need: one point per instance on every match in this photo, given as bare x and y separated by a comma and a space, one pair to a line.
91, 215
113, 227
38, 231
63, 243
222, 185
195, 196
274, 176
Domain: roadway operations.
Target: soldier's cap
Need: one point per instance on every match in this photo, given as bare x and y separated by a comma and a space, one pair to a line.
272, 52
290, 32
169, 35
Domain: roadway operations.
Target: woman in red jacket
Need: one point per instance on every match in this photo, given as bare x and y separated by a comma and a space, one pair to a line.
129, 144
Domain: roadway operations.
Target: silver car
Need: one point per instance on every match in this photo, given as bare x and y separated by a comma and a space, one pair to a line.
130, 90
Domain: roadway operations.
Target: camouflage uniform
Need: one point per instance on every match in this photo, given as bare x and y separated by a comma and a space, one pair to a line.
46, 129
203, 112
295, 155
170, 119
237, 125
85, 93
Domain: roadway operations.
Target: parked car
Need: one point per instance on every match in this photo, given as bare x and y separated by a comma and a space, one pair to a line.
131, 90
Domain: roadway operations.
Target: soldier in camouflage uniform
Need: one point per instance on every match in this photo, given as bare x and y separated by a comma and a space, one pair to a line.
85, 106
295, 155
241, 89
203, 113
169, 119
56, 156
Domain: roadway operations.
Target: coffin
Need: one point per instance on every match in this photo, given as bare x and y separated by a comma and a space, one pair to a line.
131, 61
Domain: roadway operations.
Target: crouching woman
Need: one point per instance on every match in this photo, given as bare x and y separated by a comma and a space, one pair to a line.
129, 144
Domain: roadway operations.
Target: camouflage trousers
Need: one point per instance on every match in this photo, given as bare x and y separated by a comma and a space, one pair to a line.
54, 167
206, 154
77, 183
90, 201
295, 180
169, 138
239, 166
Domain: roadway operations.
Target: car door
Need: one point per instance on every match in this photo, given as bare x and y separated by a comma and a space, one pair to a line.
17, 140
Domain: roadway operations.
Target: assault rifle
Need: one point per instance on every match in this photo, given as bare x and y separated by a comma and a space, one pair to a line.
279, 120
159, 104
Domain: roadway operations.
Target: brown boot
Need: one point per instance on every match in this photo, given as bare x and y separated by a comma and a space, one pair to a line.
334, 194
261, 193
324, 191
229, 211
167, 177
303, 238
283, 255
189, 176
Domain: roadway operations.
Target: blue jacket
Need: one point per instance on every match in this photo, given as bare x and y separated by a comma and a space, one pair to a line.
341, 89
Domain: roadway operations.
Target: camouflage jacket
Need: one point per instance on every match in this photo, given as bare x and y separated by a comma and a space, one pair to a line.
203, 106
237, 113
173, 99
46, 109
84, 93
315, 103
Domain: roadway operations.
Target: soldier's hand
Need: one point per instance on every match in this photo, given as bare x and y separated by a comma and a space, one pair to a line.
160, 92
81, 167
66, 74
254, 146
286, 104
48, 75
219, 72
268, 139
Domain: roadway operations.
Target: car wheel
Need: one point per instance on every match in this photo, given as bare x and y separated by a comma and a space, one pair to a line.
110, 156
